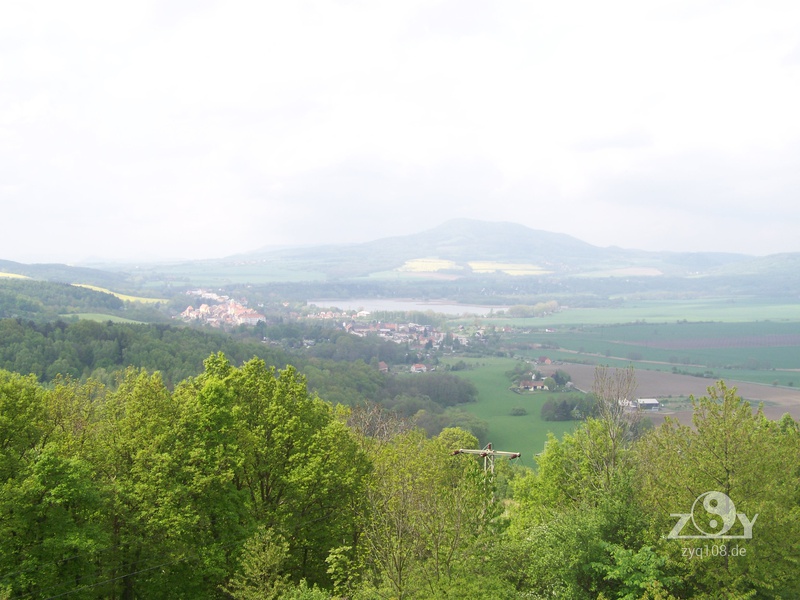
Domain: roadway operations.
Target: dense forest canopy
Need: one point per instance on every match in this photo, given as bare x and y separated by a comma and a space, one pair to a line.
239, 483
341, 368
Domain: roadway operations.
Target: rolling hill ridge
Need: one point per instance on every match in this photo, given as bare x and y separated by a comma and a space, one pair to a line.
457, 250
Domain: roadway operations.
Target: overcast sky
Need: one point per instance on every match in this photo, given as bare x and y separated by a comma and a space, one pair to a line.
137, 130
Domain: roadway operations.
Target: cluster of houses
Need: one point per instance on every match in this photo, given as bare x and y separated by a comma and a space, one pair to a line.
333, 315
224, 311
416, 336
529, 385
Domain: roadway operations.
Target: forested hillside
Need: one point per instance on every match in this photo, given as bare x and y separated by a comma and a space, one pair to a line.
47, 301
28, 299
240, 484
89, 348
341, 368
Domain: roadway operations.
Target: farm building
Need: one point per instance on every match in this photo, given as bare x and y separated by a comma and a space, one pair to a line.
648, 404
530, 386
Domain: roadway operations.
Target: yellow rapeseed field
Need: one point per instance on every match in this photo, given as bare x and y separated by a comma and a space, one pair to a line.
428, 265
488, 266
124, 297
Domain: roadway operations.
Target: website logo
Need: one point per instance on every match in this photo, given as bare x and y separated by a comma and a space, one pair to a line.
713, 516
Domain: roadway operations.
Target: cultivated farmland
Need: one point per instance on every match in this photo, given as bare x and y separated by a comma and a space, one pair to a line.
674, 389
673, 361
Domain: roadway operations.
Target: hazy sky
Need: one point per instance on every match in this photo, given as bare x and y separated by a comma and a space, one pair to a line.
195, 129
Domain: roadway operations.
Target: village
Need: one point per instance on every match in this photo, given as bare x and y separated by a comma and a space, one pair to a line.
224, 311
221, 311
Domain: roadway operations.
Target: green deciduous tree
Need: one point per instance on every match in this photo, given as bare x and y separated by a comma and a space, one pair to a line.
144, 469
143, 492
22, 421
51, 510
262, 574
430, 513
293, 457
732, 450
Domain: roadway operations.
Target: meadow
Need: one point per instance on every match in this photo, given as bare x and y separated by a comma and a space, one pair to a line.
709, 339
527, 433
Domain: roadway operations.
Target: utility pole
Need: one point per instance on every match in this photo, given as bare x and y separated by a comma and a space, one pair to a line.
488, 455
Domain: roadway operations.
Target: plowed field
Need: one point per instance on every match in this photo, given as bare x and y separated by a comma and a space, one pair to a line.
663, 385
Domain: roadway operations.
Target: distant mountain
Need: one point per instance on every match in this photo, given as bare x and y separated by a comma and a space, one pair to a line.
460, 249
463, 243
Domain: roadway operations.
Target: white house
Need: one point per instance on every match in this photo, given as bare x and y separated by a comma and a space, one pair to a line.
648, 404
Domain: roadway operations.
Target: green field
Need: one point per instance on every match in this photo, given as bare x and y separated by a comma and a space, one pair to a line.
526, 434
754, 342
718, 310
101, 318
761, 352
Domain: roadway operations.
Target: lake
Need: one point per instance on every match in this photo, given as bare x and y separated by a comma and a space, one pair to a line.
395, 304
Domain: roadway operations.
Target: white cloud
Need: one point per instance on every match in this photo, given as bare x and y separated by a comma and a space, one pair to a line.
241, 124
